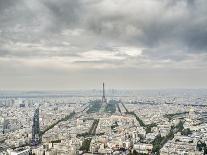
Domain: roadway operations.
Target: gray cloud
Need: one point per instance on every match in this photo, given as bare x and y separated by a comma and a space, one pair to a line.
94, 34
147, 24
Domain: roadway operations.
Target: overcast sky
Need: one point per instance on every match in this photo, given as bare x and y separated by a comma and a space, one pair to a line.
77, 44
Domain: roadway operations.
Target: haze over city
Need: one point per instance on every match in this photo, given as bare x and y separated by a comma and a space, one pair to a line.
78, 44
103, 77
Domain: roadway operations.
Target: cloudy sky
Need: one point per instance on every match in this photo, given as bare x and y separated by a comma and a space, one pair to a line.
77, 44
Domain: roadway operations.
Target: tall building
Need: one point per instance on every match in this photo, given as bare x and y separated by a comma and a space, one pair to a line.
2, 122
36, 135
104, 96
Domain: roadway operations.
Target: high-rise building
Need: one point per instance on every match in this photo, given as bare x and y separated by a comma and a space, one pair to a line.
2, 121
36, 135
104, 96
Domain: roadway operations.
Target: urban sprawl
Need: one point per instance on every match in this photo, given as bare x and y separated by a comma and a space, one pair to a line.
130, 124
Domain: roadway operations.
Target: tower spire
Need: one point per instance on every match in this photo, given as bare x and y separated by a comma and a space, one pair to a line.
104, 97
103, 90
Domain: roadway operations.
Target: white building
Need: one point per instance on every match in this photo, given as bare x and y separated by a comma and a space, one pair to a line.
19, 152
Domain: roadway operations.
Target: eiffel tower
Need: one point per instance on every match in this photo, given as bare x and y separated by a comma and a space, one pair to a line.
104, 97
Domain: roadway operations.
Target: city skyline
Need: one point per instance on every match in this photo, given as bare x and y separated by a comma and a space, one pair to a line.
67, 44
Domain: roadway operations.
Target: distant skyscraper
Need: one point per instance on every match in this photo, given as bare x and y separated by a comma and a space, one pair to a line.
104, 96
2, 122
36, 137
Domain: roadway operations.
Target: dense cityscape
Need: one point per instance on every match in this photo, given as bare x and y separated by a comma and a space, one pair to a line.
151, 122
103, 77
